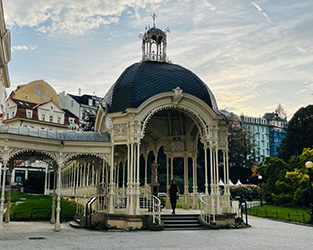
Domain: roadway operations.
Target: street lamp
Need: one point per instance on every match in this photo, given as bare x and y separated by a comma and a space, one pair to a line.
309, 166
260, 179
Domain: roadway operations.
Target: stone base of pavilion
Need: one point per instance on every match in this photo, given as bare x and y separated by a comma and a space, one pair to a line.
128, 222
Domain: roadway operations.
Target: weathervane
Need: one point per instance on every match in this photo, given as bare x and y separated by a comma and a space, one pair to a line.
154, 16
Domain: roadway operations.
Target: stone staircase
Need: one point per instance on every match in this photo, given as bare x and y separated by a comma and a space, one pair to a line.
181, 222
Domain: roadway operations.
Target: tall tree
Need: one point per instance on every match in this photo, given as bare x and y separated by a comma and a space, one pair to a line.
89, 120
241, 146
299, 133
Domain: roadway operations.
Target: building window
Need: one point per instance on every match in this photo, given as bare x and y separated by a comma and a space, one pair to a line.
90, 102
59, 120
43, 117
71, 120
50, 118
51, 107
29, 114
72, 103
8, 116
12, 114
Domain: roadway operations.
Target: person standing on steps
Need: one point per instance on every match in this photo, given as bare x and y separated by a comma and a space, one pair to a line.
173, 193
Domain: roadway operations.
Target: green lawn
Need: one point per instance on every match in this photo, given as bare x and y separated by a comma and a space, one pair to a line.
281, 213
38, 207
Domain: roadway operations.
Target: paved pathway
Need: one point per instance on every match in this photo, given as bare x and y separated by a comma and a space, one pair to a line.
265, 234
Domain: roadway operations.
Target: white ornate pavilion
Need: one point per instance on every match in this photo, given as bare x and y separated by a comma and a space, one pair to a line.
153, 104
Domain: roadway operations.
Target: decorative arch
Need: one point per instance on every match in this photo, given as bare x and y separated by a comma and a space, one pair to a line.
191, 114
69, 156
17, 151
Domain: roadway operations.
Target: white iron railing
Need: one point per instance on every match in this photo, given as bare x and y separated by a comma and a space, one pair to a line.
205, 211
235, 207
151, 205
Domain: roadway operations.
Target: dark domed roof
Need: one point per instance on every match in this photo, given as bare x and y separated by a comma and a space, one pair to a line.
143, 80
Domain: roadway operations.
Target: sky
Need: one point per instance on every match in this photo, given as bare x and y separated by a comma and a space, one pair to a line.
253, 55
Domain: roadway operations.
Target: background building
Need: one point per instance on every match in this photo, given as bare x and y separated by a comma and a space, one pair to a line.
85, 107
5, 58
35, 105
37, 91
277, 122
259, 128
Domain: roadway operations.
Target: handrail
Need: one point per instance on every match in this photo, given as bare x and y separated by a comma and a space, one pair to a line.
153, 206
89, 210
205, 211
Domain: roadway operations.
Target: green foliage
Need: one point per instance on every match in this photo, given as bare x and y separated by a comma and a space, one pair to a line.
90, 120
299, 133
248, 191
38, 207
286, 183
241, 147
281, 213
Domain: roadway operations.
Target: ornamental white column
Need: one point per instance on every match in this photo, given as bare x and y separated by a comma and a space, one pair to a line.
57, 225
206, 184
0, 171
195, 184
2, 194
111, 194
186, 195
52, 220
218, 210
8, 212
46, 180
123, 183
131, 210
103, 169
93, 174
167, 183
138, 212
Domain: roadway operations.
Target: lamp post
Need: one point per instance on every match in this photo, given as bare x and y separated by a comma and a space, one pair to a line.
260, 179
309, 166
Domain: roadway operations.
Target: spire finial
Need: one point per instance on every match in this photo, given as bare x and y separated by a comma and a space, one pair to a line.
154, 16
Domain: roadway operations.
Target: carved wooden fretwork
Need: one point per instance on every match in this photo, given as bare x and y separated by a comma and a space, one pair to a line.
69, 156
177, 146
120, 130
193, 115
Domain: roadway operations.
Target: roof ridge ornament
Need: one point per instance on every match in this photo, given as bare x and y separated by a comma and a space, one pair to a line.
154, 43
154, 16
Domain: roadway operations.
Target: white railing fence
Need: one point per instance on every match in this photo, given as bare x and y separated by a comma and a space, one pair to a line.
151, 205
205, 210
235, 207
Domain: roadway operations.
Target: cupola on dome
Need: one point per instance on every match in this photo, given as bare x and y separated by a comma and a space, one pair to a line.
154, 75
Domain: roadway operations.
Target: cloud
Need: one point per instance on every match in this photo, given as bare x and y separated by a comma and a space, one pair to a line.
71, 16
23, 47
262, 11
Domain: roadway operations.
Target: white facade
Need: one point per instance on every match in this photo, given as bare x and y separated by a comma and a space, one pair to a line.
49, 112
79, 105
67, 102
43, 116
260, 129
5, 57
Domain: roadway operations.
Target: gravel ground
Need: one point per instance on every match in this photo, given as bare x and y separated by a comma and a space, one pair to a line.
264, 234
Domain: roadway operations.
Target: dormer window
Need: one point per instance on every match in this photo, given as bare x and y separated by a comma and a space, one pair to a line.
90, 102
29, 114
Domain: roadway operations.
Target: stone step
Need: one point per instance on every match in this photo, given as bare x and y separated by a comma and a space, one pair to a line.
181, 222
182, 225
